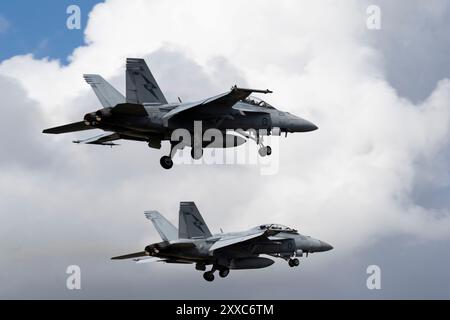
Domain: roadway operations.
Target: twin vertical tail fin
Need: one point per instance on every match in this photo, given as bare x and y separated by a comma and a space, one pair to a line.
166, 230
108, 95
141, 85
191, 223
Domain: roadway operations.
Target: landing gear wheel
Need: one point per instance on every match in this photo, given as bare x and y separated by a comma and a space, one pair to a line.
263, 151
296, 262
291, 263
196, 154
208, 276
224, 273
166, 162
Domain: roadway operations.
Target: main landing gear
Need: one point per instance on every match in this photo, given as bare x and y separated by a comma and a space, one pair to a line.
293, 262
167, 162
209, 275
224, 273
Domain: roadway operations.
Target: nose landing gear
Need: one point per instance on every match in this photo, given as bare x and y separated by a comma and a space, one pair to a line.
263, 150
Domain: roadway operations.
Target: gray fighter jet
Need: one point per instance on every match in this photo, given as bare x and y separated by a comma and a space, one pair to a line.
145, 115
193, 243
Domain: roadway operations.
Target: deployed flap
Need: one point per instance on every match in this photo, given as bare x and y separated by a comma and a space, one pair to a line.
104, 139
165, 229
228, 241
105, 92
73, 127
191, 223
148, 260
141, 85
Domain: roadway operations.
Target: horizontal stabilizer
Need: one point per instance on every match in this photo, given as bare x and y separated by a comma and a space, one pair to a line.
73, 127
132, 256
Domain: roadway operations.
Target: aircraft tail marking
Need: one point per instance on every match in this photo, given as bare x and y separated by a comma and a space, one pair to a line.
191, 223
141, 85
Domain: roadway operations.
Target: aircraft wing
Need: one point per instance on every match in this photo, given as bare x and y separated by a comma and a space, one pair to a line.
104, 140
215, 104
143, 258
231, 240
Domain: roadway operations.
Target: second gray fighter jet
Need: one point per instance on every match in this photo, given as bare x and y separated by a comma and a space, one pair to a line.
193, 243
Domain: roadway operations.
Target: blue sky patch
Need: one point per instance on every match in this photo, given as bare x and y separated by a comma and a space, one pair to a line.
39, 27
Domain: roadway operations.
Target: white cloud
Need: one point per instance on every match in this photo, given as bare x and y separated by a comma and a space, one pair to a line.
349, 183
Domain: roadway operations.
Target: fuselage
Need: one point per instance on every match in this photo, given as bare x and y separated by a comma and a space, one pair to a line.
281, 244
243, 116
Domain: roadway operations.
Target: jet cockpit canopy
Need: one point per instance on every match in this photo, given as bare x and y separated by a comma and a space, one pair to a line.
255, 101
277, 228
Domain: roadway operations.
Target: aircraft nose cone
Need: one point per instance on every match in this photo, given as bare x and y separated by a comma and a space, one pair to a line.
297, 124
325, 246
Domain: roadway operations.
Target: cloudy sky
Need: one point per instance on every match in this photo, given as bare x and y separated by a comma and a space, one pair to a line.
373, 181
